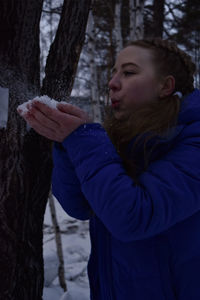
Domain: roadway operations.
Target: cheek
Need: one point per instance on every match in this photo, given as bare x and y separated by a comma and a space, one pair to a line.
141, 91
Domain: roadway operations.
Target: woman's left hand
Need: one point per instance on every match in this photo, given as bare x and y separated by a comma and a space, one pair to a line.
55, 124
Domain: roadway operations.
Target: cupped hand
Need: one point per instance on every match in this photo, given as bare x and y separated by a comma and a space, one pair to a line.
55, 124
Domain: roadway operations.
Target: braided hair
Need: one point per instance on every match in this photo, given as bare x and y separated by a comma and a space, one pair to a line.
171, 60
155, 118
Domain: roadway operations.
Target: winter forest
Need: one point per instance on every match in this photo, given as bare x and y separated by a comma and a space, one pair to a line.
66, 50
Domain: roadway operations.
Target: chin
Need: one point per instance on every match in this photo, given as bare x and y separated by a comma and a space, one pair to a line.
120, 115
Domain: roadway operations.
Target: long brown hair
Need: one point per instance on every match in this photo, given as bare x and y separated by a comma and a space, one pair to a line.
159, 116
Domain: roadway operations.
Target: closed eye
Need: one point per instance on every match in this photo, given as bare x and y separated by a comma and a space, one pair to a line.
128, 73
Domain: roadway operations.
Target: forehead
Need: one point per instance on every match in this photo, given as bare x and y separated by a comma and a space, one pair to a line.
135, 54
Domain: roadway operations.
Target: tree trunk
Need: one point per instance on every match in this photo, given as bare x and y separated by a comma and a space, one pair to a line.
136, 19
23, 161
25, 157
93, 70
158, 18
197, 59
65, 50
58, 240
117, 28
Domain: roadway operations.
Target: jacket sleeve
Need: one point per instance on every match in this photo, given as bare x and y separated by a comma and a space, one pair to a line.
169, 190
66, 186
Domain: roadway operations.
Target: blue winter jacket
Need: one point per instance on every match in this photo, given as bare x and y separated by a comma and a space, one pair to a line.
145, 238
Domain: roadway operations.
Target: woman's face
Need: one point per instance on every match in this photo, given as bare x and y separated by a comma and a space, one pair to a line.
133, 81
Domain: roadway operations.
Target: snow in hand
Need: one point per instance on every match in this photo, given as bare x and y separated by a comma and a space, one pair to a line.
44, 99
76, 249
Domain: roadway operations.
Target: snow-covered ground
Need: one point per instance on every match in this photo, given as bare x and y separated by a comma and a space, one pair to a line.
76, 249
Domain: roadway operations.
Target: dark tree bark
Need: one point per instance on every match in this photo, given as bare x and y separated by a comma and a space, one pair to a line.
154, 18
65, 50
25, 157
158, 17
23, 162
187, 23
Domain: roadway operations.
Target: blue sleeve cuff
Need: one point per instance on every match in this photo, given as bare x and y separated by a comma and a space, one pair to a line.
88, 129
90, 142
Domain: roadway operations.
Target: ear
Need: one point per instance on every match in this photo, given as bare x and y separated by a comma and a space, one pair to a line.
167, 86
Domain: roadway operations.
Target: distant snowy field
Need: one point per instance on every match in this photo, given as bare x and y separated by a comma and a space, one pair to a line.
76, 249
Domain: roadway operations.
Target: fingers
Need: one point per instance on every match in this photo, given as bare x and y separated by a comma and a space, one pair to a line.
40, 128
55, 114
71, 109
42, 118
48, 111
54, 123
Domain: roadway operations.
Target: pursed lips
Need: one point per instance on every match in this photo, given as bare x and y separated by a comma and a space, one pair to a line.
114, 100
115, 103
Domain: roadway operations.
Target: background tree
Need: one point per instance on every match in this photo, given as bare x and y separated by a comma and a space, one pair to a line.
117, 26
186, 24
154, 17
136, 19
95, 101
50, 17
25, 157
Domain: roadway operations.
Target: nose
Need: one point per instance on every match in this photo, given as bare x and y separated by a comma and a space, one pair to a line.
114, 84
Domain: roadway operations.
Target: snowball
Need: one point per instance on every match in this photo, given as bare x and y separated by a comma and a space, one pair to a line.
44, 99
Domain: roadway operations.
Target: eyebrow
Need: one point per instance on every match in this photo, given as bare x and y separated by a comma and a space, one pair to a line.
125, 65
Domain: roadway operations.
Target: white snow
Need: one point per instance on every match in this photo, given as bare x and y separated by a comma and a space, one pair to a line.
76, 250
24, 107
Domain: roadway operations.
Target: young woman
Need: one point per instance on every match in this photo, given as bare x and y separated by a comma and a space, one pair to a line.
136, 177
